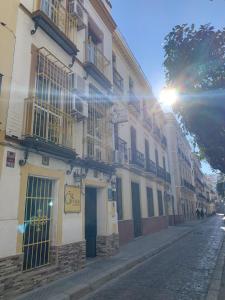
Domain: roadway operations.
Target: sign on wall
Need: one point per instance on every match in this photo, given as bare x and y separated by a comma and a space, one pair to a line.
10, 159
72, 201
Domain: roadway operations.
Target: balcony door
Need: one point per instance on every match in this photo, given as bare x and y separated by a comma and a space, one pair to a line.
147, 153
133, 141
136, 208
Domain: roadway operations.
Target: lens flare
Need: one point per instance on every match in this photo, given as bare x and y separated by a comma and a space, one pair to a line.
168, 96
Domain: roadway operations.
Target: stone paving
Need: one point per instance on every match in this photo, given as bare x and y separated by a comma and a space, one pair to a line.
180, 272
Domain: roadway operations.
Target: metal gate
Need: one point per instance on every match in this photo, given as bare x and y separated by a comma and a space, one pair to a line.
37, 222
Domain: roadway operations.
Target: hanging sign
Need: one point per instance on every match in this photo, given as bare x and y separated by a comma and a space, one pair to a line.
72, 201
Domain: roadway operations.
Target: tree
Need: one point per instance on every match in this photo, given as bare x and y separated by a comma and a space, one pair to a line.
195, 65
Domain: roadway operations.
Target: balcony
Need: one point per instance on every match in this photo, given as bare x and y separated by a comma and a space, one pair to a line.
97, 65
48, 129
156, 131
168, 177
164, 141
150, 166
161, 173
120, 155
188, 185
137, 158
118, 80
57, 22
147, 119
134, 103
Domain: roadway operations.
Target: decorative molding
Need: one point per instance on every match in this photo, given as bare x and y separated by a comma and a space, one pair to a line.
131, 60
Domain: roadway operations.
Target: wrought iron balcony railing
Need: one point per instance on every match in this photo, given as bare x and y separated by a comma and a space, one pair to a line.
134, 102
187, 184
147, 119
156, 131
137, 158
55, 19
161, 173
151, 166
96, 63
168, 177
47, 123
118, 80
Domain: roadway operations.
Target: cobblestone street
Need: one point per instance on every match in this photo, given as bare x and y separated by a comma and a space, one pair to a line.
180, 272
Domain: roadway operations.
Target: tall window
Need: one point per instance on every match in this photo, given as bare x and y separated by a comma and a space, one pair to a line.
133, 138
52, 121
160, 203
150, 202
156, 157
164, 163
119, 198
147, 152
98, 126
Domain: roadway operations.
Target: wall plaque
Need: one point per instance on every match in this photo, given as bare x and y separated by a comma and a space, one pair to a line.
72, 199
10, 159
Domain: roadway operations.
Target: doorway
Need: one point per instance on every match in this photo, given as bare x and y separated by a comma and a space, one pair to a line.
90, 221
136, 208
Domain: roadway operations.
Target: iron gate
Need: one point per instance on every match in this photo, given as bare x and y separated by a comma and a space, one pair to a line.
37, 222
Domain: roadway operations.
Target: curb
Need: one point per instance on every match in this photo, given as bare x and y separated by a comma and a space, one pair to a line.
216, 279
79, 292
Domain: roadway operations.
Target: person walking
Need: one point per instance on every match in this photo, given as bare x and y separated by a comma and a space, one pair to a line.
198, 213
202, 213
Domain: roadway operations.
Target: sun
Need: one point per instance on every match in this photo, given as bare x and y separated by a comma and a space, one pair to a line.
168, 96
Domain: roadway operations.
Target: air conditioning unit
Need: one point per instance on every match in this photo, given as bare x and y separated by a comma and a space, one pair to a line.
76, 9
79, 107
77, 84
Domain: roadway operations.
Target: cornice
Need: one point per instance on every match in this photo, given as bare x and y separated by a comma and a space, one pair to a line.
104, 14
131, 60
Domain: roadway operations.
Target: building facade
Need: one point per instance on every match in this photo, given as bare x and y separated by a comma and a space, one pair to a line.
57, 156
180, 159
143, 178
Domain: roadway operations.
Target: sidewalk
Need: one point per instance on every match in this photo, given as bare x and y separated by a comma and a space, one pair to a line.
102, 270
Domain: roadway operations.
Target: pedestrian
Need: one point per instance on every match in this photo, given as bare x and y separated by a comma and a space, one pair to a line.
198, 213
202, 213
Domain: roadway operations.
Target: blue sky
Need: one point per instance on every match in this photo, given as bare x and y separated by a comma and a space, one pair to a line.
145, 23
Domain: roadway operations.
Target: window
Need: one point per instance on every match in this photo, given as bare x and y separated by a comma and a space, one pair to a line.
147, 152
131, 85
1, 83
50, 110
156, 157
150, 202
119, 199
98, 126
114, 60
164, 163
160, 203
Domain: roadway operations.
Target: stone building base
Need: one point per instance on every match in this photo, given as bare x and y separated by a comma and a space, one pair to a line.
154, 224
126, 231
64, 259
107, 245
176, 219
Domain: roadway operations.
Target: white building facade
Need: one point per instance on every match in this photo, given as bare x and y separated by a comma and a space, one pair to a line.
56, 179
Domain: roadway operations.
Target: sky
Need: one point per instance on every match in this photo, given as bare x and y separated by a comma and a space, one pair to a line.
145, 23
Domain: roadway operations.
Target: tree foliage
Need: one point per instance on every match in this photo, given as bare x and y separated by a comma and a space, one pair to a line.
195, 65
